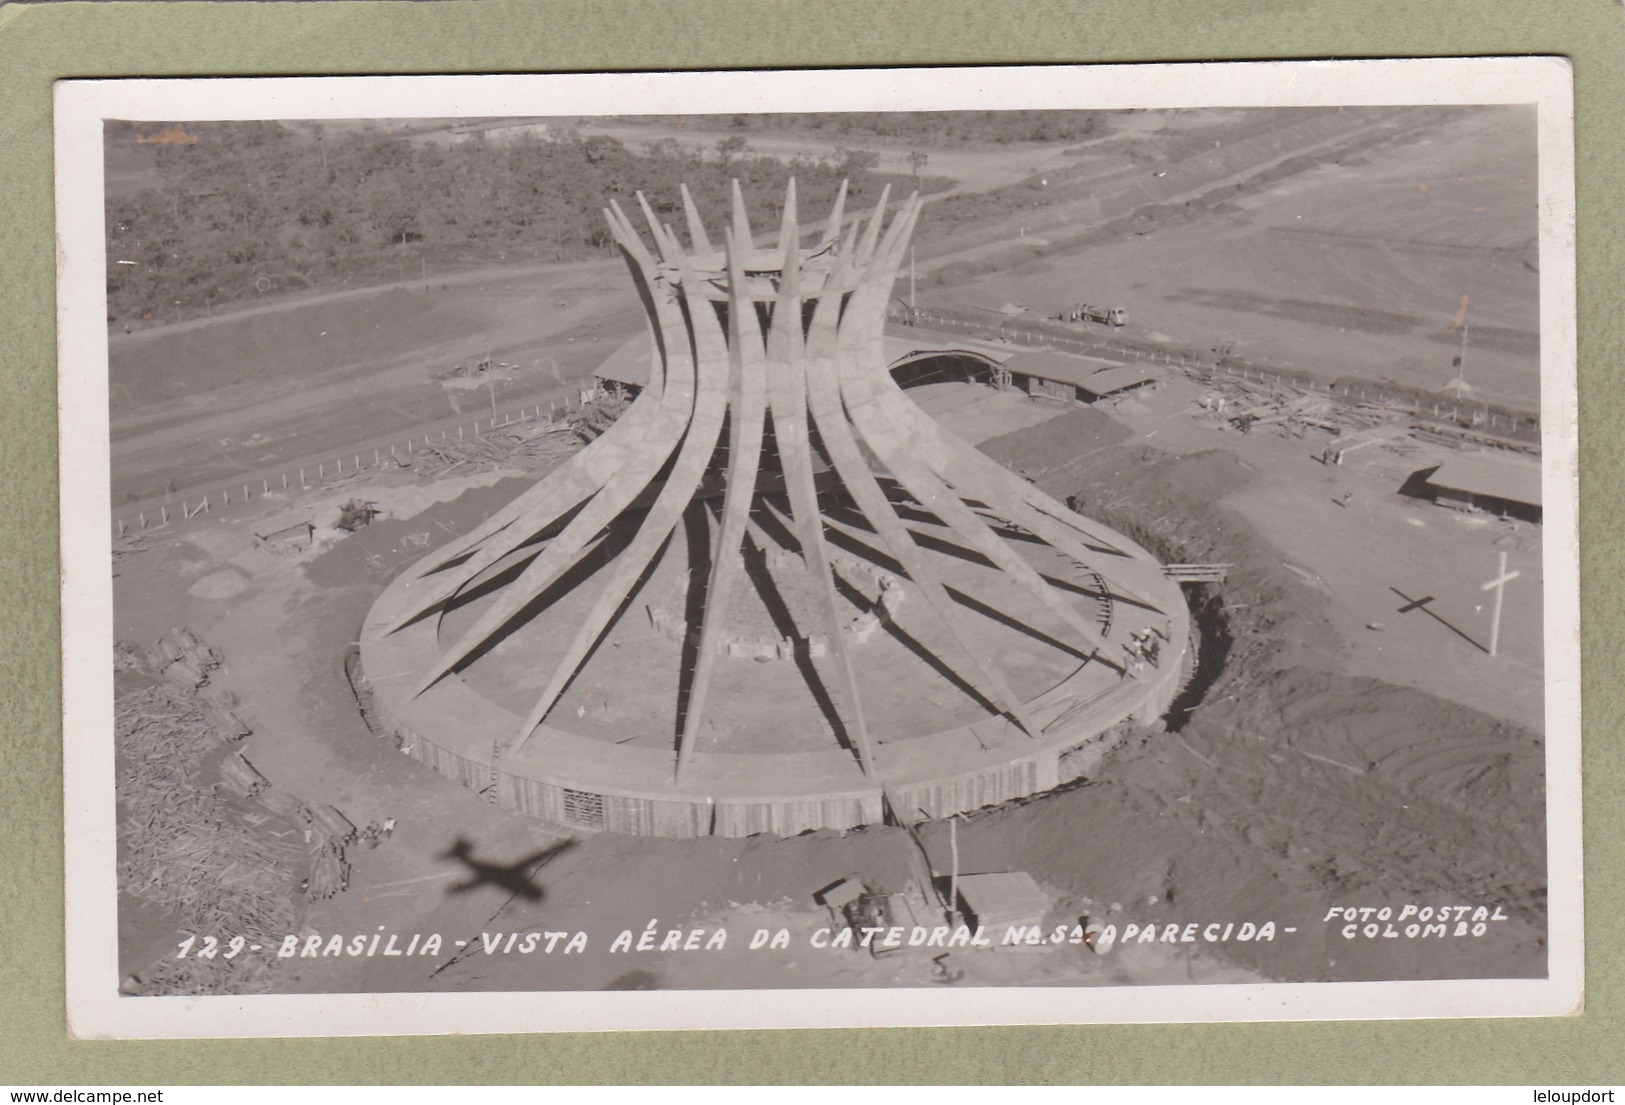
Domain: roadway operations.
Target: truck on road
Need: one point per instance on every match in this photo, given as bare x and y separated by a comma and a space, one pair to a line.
1086, 312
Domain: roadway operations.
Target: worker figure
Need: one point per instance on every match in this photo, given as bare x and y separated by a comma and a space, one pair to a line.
1146, 647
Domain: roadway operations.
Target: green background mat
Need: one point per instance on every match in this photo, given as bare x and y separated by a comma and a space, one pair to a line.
42, 43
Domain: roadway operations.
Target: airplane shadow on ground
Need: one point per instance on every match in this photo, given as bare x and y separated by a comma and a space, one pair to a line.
517, 878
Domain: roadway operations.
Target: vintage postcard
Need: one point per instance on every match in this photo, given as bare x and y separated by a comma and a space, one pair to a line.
968, 546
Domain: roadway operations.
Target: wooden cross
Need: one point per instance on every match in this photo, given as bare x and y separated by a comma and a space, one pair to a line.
1498, 585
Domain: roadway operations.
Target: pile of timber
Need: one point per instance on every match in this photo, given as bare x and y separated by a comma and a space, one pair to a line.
525, 445
195, 849
185, 851
183, 658
186, 660
1247, 406
326, 834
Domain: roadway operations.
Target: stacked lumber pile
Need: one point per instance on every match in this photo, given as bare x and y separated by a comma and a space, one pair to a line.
194, 849
1246, 406
241, 777
187, 661
184, 850
326, 833
525, 445
183, 659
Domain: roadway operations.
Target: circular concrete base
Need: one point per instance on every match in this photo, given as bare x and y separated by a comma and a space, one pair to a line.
606, 758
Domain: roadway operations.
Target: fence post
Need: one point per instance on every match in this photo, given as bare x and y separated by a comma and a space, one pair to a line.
284, 481
165, 511
265, 487
321, 471
301, 477
226, 495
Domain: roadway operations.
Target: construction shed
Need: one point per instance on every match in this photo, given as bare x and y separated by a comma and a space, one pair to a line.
1071, 377
1500, 485
912, 363
1003, 899
1114, 381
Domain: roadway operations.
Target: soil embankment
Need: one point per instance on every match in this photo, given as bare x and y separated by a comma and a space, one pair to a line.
1285, 788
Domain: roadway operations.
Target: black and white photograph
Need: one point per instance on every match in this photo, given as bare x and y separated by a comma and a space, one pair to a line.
966, 546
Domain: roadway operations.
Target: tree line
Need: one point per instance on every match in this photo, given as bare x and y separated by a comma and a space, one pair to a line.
928, 128
246, 210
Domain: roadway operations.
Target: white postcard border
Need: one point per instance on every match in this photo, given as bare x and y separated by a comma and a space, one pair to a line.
95, 1007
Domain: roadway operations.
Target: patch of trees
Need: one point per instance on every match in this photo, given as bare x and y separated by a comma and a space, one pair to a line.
935, 128
251, 209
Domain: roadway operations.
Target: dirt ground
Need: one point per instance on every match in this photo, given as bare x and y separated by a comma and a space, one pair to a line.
1226, 818
1353, 266
263, 389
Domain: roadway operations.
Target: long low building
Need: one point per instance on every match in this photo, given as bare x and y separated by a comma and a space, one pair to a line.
1502, 485
1039, 373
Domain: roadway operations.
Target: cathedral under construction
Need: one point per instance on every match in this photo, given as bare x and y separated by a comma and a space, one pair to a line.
774, 595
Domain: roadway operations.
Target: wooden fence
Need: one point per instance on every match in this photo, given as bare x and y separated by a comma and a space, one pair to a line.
186, 508
1490, 418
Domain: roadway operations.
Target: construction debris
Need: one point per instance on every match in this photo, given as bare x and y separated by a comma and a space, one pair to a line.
186, 850
196, 849
240, 777
355, 514
525, 445
128, 544
1235, 404
182, 658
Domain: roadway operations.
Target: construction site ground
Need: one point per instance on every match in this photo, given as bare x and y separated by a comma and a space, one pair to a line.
1296, 810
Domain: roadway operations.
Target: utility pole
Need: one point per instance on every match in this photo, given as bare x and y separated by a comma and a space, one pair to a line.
1461, 362
491, 384
1461, 358
1498, 585
911, 277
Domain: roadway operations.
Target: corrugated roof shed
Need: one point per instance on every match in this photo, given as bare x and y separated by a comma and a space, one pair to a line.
1490, 475
899, 347
1110, 381
1003, 898
1067, 368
